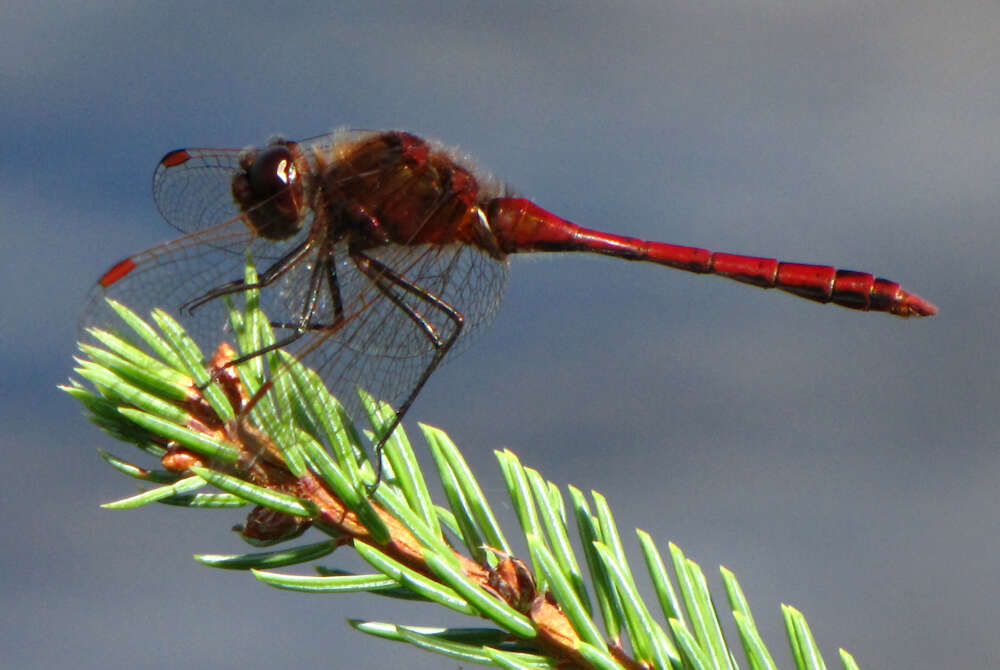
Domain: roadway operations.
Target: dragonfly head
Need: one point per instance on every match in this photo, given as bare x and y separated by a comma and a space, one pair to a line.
269, 191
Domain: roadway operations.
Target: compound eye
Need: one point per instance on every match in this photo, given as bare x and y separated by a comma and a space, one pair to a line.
271, 172
270, 193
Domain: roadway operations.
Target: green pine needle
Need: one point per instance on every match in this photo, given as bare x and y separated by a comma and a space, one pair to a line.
297, 457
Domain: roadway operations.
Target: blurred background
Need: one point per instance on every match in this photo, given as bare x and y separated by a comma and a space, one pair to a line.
844, 463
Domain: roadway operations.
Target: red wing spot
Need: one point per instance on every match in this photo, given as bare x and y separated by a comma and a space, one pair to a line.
117, 271
175, 158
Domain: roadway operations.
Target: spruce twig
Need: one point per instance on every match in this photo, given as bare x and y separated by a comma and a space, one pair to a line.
300, 461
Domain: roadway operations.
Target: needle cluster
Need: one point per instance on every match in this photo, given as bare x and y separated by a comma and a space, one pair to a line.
296, 457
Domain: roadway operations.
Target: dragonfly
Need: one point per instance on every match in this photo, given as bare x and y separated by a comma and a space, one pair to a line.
380, 254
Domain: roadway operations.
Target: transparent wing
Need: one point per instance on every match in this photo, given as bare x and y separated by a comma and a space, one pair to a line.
380, 345
329, 142
172, 274
193, 187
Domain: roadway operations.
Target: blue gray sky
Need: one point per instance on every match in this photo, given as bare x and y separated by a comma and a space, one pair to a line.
841, 462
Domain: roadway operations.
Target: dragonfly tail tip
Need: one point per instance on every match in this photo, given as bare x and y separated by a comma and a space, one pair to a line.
917, 306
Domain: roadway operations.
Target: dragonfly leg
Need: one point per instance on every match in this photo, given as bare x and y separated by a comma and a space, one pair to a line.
324, 270
338, 307
389, 284
276, 270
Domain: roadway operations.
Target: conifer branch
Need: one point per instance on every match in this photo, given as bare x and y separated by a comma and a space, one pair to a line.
283, 444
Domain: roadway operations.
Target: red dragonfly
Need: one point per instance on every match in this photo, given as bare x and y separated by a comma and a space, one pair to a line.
381, 252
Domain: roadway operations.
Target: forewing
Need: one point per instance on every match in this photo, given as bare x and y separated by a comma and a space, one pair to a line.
193, 187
